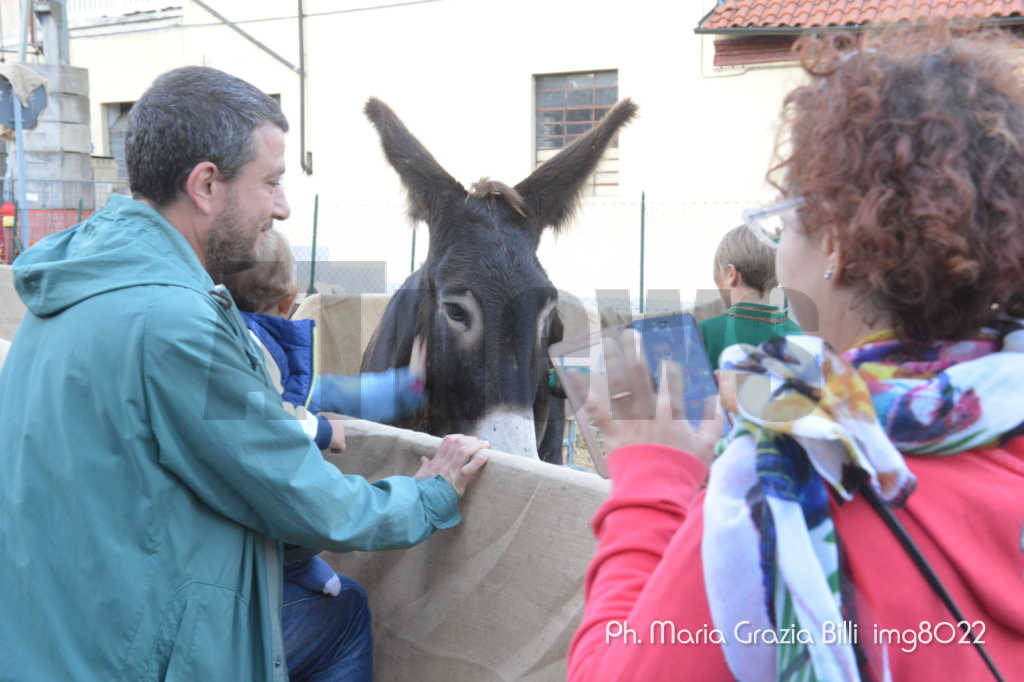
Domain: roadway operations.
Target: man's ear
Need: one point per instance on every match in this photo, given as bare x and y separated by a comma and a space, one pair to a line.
201, 186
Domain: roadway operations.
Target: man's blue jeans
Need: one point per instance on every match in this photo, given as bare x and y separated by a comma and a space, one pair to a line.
327, 638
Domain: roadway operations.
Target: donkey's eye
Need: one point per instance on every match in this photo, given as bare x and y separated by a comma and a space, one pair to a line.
456, 313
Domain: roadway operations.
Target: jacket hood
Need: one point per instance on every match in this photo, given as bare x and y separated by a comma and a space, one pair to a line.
126, 244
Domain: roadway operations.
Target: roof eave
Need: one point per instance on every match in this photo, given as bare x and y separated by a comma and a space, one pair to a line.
791, 30
773, 30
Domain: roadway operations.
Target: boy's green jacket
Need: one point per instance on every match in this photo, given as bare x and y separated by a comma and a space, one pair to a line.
148, 474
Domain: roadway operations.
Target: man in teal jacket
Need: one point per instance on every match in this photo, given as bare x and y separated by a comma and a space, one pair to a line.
148, 474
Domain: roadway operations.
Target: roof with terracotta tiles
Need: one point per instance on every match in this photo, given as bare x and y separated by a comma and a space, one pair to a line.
795, 14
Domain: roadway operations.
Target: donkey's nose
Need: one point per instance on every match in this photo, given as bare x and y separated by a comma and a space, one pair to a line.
509, 430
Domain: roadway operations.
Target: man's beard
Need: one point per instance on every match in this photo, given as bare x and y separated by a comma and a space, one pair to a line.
229, 249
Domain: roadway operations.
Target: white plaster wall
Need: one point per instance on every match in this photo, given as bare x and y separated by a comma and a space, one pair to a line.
460, 74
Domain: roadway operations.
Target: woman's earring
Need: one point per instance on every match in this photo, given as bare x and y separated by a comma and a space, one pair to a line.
828, 273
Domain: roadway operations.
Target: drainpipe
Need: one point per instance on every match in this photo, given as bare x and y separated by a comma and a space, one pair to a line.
306, 162
642, 217
26, 240
306, 157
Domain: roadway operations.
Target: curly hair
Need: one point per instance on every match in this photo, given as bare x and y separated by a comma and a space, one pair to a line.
908, 147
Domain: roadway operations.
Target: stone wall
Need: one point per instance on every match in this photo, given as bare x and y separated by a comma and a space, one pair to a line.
58, 165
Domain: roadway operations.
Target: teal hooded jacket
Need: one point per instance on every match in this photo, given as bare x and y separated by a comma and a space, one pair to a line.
148, 474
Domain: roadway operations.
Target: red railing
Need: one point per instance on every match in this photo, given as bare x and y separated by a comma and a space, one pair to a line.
42, 223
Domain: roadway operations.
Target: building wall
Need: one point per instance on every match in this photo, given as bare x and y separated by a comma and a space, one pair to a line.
460, 74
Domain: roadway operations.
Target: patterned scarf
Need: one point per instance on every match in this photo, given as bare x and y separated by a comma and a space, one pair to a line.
807, 418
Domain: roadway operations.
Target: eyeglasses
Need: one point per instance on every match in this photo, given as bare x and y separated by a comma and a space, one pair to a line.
768, 222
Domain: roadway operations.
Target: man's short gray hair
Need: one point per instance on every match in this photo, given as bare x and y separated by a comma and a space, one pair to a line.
190, 115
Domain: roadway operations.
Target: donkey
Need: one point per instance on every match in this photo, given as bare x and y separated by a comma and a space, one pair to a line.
481, 298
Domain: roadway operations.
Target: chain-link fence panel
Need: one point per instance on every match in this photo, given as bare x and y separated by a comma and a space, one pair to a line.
50, 206
326, 276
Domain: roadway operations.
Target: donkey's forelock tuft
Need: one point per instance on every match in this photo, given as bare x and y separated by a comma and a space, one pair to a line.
485, 187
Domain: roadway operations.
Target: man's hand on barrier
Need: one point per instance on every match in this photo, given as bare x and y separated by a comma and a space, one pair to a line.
458, 461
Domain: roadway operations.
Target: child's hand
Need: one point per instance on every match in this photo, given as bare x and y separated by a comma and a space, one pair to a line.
337, 436
337, 431
418, 360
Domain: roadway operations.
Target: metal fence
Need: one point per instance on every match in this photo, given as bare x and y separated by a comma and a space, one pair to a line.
324, 276
54, 205
51, 206
613, 250
616, 248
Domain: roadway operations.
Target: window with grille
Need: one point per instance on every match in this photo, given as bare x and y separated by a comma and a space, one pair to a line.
117, 128
568, 105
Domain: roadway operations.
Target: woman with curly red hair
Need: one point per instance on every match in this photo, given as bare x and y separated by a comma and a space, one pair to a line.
862, 520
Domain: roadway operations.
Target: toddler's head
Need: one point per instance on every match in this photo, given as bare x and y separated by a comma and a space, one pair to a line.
269, 286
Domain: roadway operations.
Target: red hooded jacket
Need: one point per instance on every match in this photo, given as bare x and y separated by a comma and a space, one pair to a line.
966, 515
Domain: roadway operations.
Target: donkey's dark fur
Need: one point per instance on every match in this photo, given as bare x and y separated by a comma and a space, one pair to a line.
481, 298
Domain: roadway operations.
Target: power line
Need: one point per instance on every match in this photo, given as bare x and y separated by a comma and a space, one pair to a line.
262, 20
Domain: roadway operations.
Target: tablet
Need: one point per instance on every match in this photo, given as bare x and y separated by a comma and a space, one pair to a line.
674, 337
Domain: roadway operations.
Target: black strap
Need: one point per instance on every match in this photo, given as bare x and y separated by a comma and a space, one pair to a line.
880, 506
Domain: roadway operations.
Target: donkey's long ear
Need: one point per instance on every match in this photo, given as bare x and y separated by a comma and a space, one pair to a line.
427, 183
552, 191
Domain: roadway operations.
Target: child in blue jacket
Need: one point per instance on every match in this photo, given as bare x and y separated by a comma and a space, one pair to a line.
264, 295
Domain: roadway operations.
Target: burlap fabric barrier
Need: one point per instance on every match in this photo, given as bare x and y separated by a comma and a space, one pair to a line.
345, 323
709, 309
11, 307
497, 597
